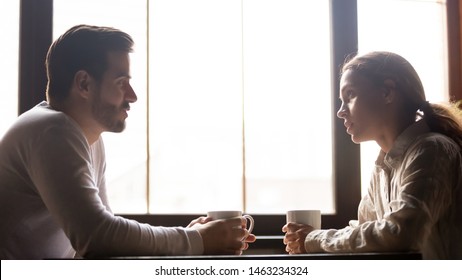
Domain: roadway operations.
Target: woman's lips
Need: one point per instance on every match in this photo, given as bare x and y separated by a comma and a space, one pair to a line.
348, 126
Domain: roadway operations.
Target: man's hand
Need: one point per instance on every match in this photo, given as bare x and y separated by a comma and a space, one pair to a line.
223, 237
199, 221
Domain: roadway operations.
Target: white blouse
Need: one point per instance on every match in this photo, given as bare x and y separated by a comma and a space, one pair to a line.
414, 202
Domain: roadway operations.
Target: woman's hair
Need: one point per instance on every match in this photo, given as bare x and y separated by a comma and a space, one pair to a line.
83, 47
381, 66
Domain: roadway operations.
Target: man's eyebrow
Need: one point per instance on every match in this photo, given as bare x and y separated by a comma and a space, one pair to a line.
123, 75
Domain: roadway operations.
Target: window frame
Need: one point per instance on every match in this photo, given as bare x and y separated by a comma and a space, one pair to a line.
454, 33
36, 24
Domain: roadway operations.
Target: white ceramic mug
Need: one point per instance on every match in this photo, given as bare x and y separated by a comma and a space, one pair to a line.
216, 215
306, 217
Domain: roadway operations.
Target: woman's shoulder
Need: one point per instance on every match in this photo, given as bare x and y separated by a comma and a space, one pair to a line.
435, 143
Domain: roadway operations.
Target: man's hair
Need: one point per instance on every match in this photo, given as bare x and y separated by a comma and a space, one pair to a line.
83, 47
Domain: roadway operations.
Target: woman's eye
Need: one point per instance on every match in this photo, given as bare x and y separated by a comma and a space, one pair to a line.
350, 95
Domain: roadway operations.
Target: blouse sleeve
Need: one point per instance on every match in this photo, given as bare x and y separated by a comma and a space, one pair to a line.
421, 195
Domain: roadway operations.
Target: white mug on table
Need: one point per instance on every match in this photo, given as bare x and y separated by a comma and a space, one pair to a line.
227, 214
306, 217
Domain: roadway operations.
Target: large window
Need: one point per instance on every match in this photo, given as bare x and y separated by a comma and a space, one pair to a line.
235, 94
235, 111
235, 102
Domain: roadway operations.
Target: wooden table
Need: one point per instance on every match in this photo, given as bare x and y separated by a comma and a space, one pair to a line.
323, 256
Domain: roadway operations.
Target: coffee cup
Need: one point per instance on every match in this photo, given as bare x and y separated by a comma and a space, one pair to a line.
306, 217
228, 214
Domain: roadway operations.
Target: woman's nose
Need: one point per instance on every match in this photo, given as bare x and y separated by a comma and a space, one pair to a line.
341, 112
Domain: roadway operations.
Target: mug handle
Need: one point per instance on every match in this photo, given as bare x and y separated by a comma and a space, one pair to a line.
251, 222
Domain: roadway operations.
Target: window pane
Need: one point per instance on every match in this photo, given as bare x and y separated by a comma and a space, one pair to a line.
9, 17
287, 103
195, 105
211, 59
126, 151
208, 60
420, 38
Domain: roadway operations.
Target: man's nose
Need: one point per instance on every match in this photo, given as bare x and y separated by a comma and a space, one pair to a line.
130, 94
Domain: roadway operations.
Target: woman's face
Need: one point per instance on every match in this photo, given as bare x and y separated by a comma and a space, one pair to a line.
363, 107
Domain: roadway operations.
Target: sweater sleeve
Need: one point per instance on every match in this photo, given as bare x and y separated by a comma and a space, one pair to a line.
62, 169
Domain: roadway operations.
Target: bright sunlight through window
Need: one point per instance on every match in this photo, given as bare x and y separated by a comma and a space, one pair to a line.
234, 98
231, 94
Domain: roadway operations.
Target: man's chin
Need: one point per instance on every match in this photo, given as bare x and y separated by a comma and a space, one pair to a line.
117, 127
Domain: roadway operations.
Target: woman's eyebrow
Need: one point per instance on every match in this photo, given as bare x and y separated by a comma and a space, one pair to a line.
344, 88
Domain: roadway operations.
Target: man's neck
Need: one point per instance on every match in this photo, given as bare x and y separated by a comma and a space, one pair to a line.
82, 117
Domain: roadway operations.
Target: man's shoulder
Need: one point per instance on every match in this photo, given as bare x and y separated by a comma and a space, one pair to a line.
39, 123
42, 113
40, 118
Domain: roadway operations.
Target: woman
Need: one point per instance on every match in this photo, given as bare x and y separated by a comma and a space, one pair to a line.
414, 202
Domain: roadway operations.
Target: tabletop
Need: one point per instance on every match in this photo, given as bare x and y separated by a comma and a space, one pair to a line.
321, 256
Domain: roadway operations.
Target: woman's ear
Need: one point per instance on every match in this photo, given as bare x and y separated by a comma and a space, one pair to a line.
389, 90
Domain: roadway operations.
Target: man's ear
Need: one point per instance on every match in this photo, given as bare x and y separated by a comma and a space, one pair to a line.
82, 81
389, 90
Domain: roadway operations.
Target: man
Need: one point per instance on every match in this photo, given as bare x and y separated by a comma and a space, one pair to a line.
53, 201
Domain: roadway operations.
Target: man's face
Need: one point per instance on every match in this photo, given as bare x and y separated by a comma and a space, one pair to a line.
114, 95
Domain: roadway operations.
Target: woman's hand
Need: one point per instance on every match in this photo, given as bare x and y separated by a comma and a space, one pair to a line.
295, 237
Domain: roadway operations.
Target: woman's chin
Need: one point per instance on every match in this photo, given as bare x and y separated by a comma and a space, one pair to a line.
356, 139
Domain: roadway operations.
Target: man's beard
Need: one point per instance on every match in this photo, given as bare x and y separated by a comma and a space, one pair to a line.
107, 115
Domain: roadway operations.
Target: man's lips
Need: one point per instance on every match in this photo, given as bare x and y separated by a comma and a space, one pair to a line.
126, 107
125, 110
